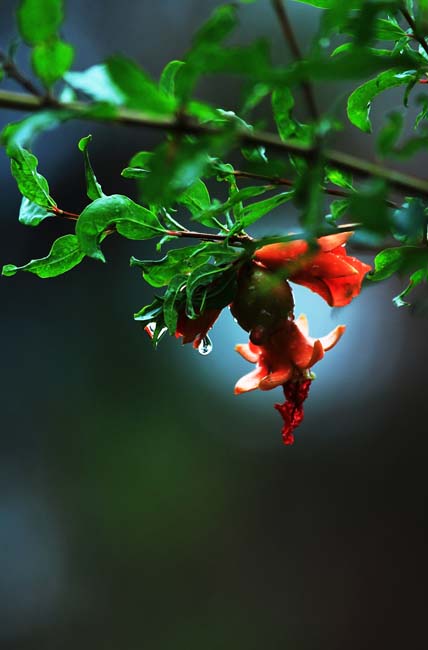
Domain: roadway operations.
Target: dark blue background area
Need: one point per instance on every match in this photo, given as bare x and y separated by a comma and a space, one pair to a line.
142, 505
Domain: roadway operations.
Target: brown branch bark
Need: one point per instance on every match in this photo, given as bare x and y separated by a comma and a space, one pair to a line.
400, 181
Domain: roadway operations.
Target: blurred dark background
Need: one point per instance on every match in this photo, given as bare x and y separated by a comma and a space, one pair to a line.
142, 505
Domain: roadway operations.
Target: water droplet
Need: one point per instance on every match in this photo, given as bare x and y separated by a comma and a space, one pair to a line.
151, 327
205, 346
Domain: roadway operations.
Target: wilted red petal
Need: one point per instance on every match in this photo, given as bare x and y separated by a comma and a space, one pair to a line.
194, 329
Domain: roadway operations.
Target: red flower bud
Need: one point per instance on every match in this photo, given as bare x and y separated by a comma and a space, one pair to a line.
195, 329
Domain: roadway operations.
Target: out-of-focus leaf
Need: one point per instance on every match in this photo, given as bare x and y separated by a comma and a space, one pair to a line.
321, 4
217, 209
409, 223
282, 105
140, 92
31, 214
337, 210
339, 177
359, 101
64, 255
130, 220
93, 188
177, 165
23, 133
30, 183
368, 206
96, 83
51, 60
39, 20
390, 133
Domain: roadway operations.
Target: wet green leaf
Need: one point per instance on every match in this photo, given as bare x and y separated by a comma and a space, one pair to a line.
64, 255
31, 214
402, 259
30, 183
360, 100
130, 220
93, 188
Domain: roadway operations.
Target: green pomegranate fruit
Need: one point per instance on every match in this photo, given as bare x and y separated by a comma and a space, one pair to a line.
262, 301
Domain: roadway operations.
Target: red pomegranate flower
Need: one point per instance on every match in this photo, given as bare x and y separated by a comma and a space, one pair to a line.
328, 271
284, 360
288, 352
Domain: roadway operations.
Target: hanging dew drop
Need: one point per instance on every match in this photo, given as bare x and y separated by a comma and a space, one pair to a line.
205, 346
151, 327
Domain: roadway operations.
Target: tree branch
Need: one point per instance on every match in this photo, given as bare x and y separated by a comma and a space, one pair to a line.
12, 71
288, 32
403, 182
415, 30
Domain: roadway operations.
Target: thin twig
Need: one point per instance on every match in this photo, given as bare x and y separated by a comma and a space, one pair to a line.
403, 182
274, 180
12, 71
415, 30
288, 32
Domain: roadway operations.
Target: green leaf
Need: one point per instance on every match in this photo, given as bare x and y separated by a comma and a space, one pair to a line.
282, 106
31, 214
39, 20
182, 261
402, 259
390, 133
196, 198
176, 166
409, 223
93, 188
177, 261
204, 286
167, 79
96, 83
321, 4
173, 299
255, 211
141, 92
24, 132
130, 219
388, 30
64, 255
359, 101
217, 209
51, 60
30, 183
368, 206
337, 210
415, 279
339, 177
